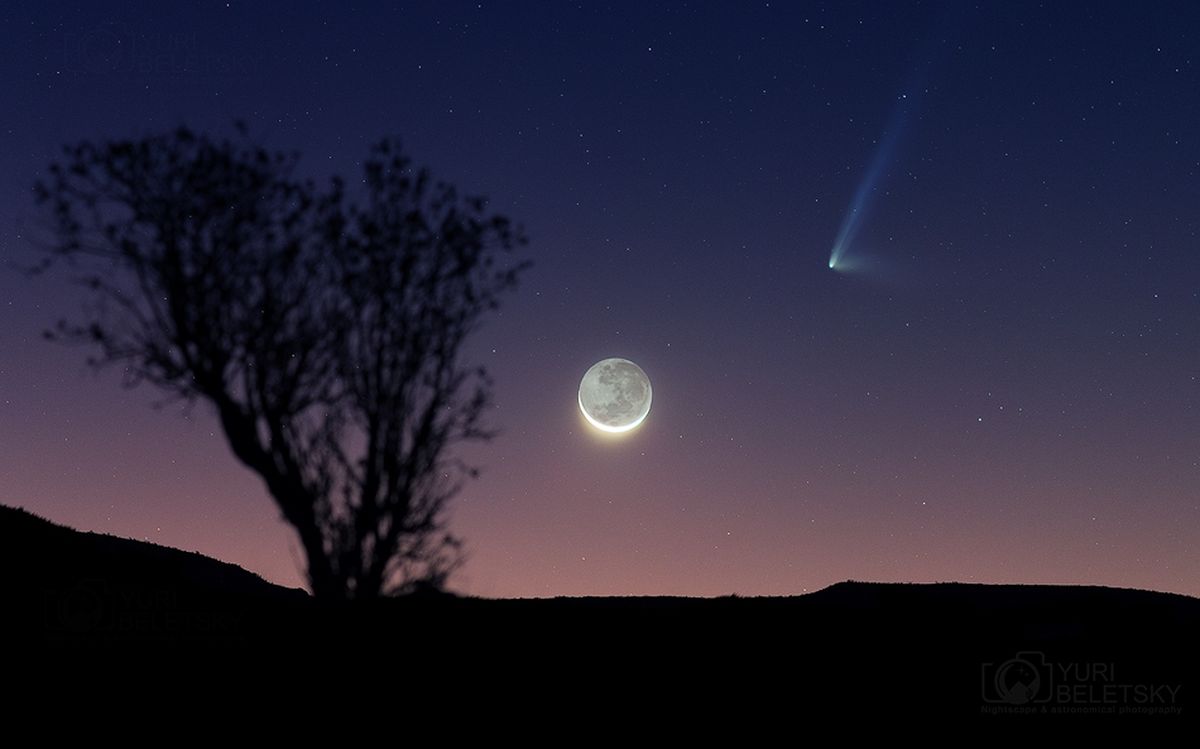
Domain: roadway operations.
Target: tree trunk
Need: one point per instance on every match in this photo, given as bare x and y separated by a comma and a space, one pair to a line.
321, 578
288, 494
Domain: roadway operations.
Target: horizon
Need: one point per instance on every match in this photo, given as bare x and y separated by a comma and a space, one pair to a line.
734, 595
999, 383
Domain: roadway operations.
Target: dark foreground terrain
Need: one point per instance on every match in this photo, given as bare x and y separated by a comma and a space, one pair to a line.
126, 614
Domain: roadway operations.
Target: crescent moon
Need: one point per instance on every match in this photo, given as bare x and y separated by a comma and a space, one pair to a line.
615, 395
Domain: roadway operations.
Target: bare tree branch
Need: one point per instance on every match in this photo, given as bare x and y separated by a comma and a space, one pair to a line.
325, 332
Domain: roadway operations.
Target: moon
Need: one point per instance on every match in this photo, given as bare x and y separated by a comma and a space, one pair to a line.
614, 395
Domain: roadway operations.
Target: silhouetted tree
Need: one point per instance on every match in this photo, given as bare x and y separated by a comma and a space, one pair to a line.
325, 328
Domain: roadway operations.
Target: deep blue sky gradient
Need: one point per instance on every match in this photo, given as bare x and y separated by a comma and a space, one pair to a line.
1007, 391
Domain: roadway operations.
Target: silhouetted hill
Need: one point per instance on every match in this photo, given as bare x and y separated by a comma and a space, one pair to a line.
96, 589
862, 649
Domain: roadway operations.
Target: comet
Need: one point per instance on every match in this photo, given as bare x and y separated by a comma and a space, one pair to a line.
864, 196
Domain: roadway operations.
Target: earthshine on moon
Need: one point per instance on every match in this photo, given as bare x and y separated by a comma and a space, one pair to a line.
614, 395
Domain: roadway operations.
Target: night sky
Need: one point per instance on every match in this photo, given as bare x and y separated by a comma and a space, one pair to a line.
1001, 384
